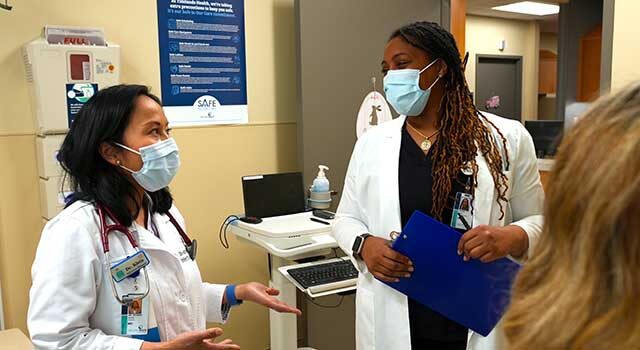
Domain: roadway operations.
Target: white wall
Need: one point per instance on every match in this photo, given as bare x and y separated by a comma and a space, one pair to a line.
626, 44
483, 35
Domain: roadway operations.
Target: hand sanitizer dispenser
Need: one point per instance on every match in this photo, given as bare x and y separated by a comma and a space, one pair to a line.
320, 191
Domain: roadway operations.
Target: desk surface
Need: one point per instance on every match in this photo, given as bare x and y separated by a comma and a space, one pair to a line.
292, 245
285, 226
545, 164
319, 243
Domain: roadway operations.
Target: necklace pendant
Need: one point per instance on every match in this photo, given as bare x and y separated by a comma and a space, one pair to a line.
425, 145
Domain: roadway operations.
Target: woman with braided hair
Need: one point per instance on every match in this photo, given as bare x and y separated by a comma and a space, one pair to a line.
474, 171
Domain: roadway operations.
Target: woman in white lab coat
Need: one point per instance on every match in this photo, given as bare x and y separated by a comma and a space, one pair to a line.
440, 155
119, 158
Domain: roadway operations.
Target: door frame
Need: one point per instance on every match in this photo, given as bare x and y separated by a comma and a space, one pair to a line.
509, 58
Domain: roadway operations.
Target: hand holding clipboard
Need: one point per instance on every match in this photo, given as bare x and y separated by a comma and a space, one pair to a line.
472, 293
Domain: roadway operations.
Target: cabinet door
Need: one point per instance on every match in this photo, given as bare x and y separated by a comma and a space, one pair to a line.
589, 65
547, 72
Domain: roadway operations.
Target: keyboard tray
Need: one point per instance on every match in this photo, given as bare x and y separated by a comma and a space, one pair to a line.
323, 282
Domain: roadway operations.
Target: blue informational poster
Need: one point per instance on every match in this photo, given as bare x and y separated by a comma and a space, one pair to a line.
202, 61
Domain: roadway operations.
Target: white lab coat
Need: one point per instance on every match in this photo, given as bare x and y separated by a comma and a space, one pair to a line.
370, 204
72, 305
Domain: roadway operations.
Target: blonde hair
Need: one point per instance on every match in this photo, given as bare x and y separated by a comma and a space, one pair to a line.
581, 288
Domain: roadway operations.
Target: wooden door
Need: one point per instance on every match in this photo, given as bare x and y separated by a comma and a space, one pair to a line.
589, 65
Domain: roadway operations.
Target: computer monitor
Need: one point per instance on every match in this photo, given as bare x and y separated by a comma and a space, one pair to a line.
546, 134
273, 194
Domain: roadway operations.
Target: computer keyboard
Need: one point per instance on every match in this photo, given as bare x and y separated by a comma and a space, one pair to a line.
325, 276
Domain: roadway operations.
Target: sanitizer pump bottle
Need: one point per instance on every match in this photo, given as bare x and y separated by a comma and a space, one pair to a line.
321, 183
320, 192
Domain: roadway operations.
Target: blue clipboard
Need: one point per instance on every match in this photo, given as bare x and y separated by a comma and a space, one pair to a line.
471, 293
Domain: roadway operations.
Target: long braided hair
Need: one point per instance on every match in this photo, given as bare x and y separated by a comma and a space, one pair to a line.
463, 129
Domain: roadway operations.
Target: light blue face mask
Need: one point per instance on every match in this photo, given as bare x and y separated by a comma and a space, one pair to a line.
160, 163
402, 88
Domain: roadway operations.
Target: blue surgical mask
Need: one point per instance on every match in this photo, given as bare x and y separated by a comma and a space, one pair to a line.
402, 88
160, 163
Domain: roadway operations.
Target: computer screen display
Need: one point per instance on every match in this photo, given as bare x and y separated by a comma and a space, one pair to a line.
273, 194
546, 135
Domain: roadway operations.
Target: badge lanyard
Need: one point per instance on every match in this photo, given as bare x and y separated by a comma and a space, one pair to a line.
105, 229
462, 213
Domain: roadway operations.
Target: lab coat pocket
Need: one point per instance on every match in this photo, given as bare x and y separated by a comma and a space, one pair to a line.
365, 326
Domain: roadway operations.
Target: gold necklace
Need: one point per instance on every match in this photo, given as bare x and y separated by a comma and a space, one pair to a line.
426, 143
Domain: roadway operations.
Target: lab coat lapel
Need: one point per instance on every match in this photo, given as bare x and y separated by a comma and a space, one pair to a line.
390, 159
149, 242
484, 193
387, 302
148, 239
156, 223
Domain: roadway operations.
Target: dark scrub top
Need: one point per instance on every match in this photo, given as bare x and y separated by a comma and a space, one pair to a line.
428, 328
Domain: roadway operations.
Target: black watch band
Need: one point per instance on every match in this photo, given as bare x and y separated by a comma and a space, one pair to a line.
358, 244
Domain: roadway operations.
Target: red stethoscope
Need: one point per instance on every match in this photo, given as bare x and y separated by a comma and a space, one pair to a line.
191, 246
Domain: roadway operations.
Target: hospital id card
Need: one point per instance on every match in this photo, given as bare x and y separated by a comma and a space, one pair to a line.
134, 319
129, 266
462, 215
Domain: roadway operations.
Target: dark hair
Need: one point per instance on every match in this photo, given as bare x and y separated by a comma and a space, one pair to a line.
462, 128
104, 118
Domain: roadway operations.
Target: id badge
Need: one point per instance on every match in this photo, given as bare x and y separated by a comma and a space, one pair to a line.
462, 215
129, 266
134, 318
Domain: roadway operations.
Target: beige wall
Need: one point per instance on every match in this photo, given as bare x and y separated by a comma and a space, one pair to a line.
208, 186
21, 223
626, 46
483, 35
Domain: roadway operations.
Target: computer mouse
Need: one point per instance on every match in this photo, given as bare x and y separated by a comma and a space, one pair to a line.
251, 220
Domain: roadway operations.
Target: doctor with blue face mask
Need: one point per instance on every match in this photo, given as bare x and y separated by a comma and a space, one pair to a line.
160, 163
403, 91
116, 269
473, 171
